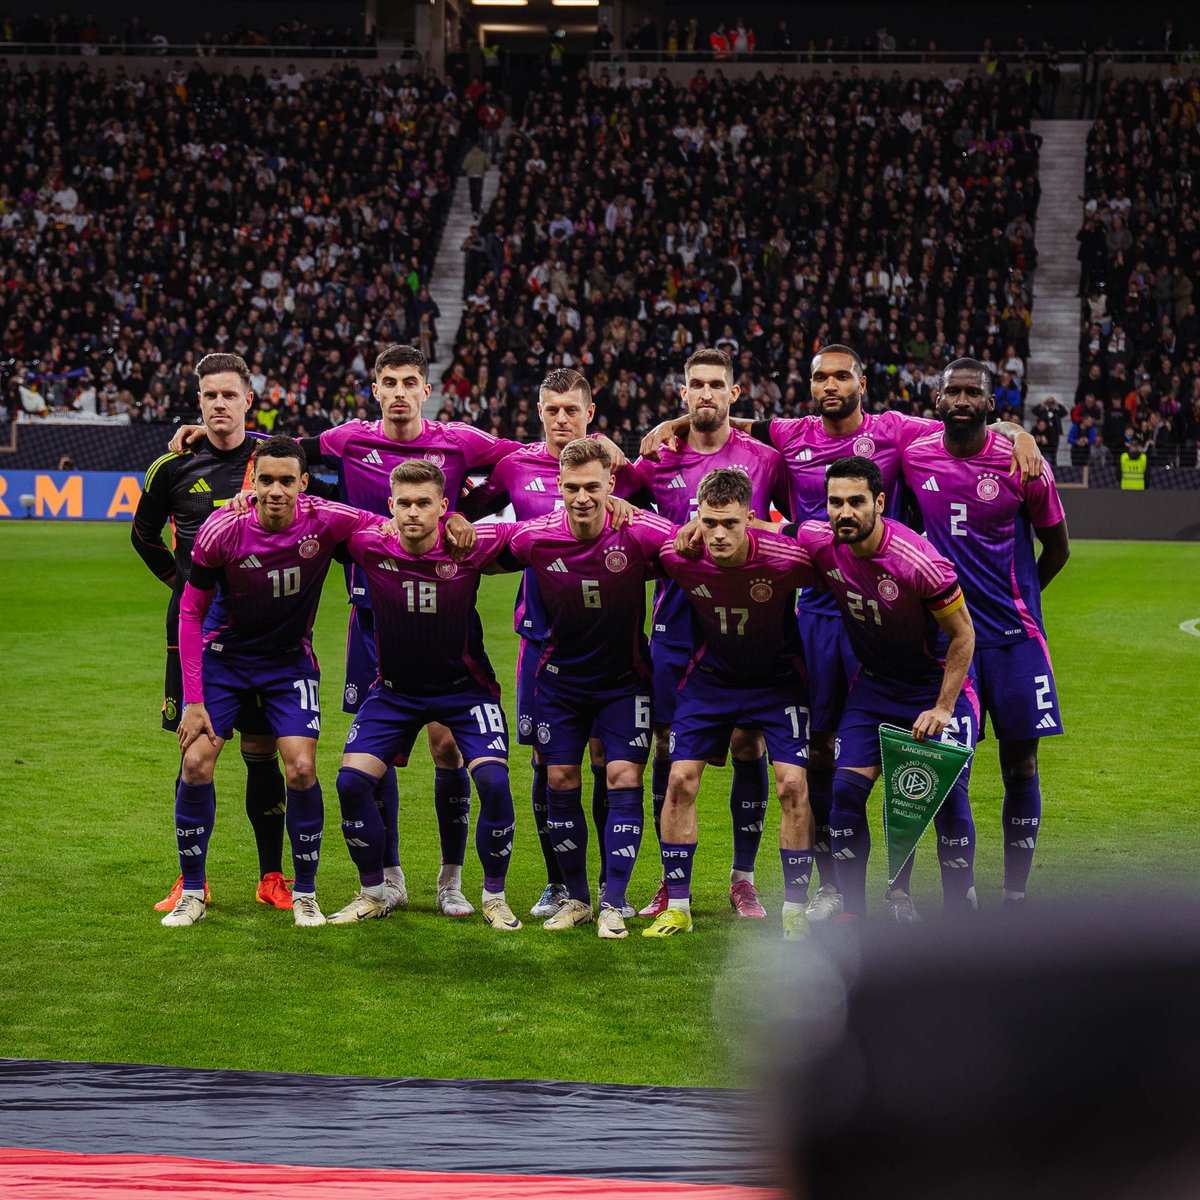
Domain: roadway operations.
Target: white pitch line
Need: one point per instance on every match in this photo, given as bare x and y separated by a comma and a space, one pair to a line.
1192, 627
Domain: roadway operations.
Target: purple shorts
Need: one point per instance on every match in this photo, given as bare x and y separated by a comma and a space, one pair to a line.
831, 666
708, 710
362, 665
387, 724
873, 702
287, 691
669, 664
1016, 690
619, 716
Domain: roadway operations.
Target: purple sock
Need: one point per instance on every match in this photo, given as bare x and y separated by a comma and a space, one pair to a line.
452, 803
956, 847
622, 840
820, 799
195, 810
600, 811
797, 871
305, 822
568, 830
677, 868
850, 837
748, 804
540, 808
387, 800
362, 824
495, 823
660, 772
1021, 819
266, 802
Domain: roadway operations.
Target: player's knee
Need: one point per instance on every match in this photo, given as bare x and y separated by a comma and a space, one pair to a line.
301, 772
562, 778
623, 775
793, 797
684, 783
196, 768
1018, 767
443, 749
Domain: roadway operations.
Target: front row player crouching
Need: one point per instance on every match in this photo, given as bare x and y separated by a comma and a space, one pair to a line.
431, 667
909, 627
747, 669
593, 671
245, 629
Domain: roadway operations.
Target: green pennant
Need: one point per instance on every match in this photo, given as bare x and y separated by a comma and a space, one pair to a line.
917, 777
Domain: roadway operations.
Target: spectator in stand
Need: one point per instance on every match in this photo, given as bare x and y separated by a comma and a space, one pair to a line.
1082, 438
741, 39
718, 42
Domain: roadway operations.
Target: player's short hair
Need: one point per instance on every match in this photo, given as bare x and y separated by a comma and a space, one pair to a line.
710, 356
279, 445
582, 451
855, 467
971, 364
418, 470
725, 486
217, 364
562, 380
397, 355
848, 351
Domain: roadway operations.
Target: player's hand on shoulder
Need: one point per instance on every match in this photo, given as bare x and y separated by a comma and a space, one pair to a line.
458, 536
931, 723
660, 434
620, 510
688, 541
242, 501
195, 724
1027, 458
390, 527
619, 461
185, 437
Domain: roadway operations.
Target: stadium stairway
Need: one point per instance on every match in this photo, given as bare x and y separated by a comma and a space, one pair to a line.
446, 285
1054, 338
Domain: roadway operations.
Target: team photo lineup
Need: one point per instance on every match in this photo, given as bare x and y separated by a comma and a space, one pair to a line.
902, 586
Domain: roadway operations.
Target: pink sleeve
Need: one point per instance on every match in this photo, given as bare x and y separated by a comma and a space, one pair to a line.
491, 541
192, 607
1041, 498
333, 441
482, 449
906, 429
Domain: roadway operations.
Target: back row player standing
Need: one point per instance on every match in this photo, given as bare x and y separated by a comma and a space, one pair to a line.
809, 445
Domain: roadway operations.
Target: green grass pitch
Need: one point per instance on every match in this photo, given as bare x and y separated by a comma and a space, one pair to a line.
85, 795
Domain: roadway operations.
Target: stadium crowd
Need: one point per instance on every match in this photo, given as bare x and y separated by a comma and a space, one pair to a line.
1139, 254
638, 220
149, 217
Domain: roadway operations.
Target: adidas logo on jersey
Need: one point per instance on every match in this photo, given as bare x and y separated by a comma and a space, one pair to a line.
250, 561
536, 486
625, 852
702, 592
1024, 844
836, 574
315, 724
374, 458
677, 482
930, 485
641, 740
1047, 722
497, 744
199, 486
388, 564
559, 567
804, 456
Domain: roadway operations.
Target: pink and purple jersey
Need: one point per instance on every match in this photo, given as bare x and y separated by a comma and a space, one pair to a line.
365, 456
268, 584
528, 480
982, 519
745, 617
808, 449
428, 637
889, 601
672, 483
594, 593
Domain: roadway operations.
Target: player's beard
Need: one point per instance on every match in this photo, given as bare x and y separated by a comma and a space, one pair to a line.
847, 406
860, 533
963, 432
709, 420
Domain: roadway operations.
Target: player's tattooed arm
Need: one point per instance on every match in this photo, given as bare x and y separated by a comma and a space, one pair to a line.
1027, 457
957, 625
1056, 549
